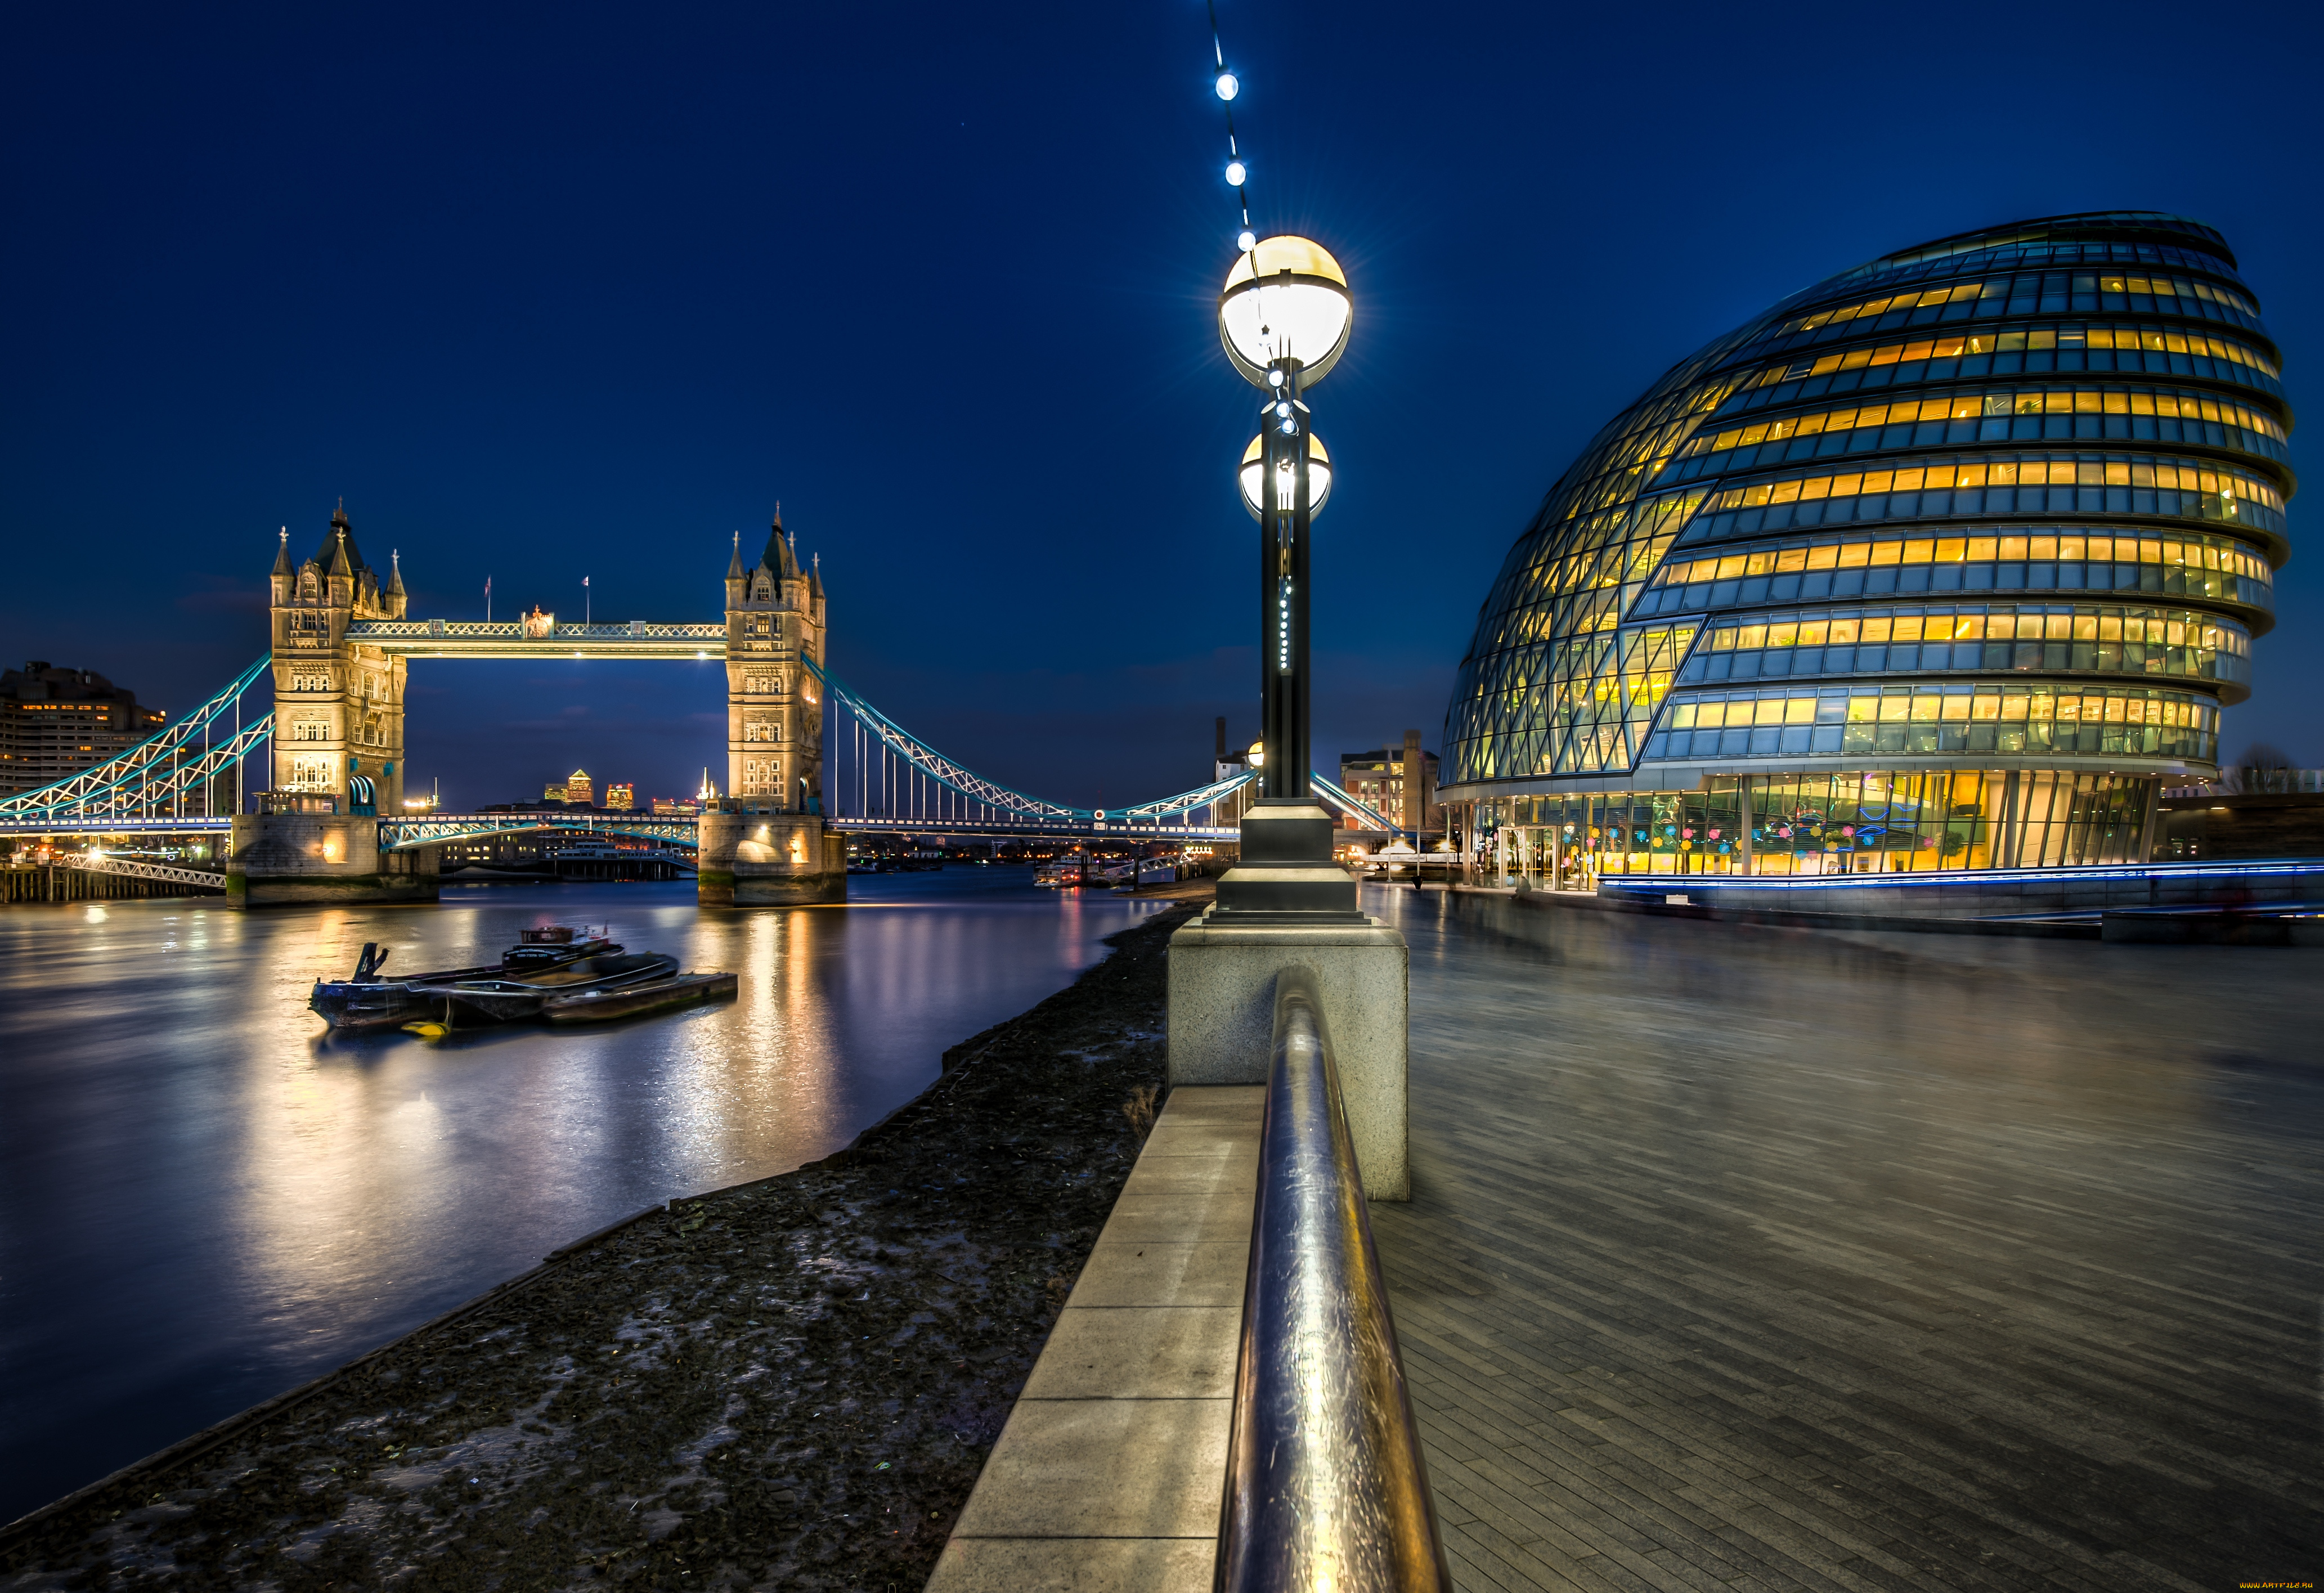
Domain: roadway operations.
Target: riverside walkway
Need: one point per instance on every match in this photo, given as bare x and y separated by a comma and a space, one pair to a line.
1768, 1258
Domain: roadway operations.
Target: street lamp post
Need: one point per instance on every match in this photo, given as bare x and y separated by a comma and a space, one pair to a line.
1284, 318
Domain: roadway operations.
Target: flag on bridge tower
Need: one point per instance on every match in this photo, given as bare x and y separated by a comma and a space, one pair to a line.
488, 600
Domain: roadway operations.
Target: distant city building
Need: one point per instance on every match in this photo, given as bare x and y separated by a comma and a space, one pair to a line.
1949, 561
673, 806
621, 798
552, 793
55, 723
578, 792
1398, 783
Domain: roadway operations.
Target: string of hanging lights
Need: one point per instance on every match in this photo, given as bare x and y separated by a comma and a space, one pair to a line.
1227, 86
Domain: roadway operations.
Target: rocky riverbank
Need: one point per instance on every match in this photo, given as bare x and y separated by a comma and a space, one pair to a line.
788, 1383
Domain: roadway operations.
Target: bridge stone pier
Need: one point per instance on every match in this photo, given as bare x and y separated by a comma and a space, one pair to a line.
282, 858
756, 854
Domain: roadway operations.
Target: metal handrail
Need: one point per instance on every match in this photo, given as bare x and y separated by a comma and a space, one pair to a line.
1326, 1487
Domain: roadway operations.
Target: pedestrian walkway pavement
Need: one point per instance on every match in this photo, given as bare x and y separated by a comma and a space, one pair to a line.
1745, 1257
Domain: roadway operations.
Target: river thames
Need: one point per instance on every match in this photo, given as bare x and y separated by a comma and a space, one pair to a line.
206, 1198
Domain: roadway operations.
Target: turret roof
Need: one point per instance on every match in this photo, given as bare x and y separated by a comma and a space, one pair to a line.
328, 555
283, 555
779, 559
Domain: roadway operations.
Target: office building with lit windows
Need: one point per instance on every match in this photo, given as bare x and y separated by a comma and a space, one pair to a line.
1947, 562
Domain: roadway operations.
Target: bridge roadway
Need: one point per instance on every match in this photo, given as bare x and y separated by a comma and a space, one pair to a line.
436, 829
1763, 1259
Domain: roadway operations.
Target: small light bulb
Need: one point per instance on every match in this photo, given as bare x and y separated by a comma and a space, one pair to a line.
1290, 428
1235, 173
1275, 378
1227, 86
1245, 240
1284, 410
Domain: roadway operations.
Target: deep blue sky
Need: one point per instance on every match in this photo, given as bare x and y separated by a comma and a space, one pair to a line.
562, 292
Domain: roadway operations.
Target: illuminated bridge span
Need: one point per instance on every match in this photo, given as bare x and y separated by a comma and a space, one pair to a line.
879, 777
329, 718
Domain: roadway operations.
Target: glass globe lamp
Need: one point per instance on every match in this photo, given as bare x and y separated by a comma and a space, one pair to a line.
1319, 477
1286, 298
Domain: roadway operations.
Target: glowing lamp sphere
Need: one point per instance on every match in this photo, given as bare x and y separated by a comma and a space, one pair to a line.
1285, 299
1319, 478
1227, 86
1258, 754
1236, 172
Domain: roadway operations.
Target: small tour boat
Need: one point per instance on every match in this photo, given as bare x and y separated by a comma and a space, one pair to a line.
632, 1000
365, 1000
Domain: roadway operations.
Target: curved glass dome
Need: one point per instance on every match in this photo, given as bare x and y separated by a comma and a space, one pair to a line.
2044, 462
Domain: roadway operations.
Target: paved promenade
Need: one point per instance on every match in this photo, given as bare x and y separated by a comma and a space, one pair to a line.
1763, 1259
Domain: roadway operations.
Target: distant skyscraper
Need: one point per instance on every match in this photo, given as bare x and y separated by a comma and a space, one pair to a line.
55, 723
552, 793
1947, 561
621, 797
577, 789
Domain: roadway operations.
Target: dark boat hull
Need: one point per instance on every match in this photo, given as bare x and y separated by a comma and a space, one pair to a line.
515, 1000
687, 990
370, 1002
373, 1004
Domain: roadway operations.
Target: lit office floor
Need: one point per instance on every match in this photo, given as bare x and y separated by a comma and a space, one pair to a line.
1770, 1258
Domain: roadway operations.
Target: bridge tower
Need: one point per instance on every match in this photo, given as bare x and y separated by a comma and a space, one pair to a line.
765, 841
338, 735
774, 723
339, 705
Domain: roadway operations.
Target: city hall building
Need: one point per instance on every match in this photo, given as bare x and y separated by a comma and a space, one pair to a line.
1948, 562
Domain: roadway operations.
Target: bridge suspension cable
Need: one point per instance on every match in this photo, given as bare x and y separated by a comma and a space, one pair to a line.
885, 771
159, 772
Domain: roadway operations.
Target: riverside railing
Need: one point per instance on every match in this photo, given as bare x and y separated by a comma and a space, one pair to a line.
1325, 1483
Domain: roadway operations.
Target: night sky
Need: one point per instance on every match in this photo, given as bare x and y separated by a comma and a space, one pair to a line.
571, 291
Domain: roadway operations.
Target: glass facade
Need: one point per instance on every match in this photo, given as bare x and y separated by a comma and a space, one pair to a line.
1947, 562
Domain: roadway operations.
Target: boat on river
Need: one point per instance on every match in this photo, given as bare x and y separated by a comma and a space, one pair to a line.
553, 960
462, 1002
601, 1003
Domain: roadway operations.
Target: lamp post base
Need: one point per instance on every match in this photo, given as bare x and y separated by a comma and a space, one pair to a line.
1285, 874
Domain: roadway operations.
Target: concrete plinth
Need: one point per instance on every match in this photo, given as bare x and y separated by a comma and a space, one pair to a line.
1222, 980
757, 856
280, 860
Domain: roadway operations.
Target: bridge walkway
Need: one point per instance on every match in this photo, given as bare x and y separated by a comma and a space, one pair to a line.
1763, 1258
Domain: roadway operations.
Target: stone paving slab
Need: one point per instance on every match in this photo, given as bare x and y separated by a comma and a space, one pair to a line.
1176, 1353
1110, 1470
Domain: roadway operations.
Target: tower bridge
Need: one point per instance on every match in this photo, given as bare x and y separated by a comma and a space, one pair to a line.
320, 750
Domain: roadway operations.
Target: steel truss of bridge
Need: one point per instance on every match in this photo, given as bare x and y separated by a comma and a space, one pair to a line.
519, 639
434, 829
100, 824
1033, 829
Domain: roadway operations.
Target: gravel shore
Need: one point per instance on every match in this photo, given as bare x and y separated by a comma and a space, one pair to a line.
788, 1383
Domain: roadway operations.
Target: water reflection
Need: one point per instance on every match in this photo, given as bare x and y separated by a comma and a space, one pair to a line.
204, 1197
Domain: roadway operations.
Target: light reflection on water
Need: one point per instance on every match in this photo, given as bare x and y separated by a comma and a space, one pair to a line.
204, 1199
